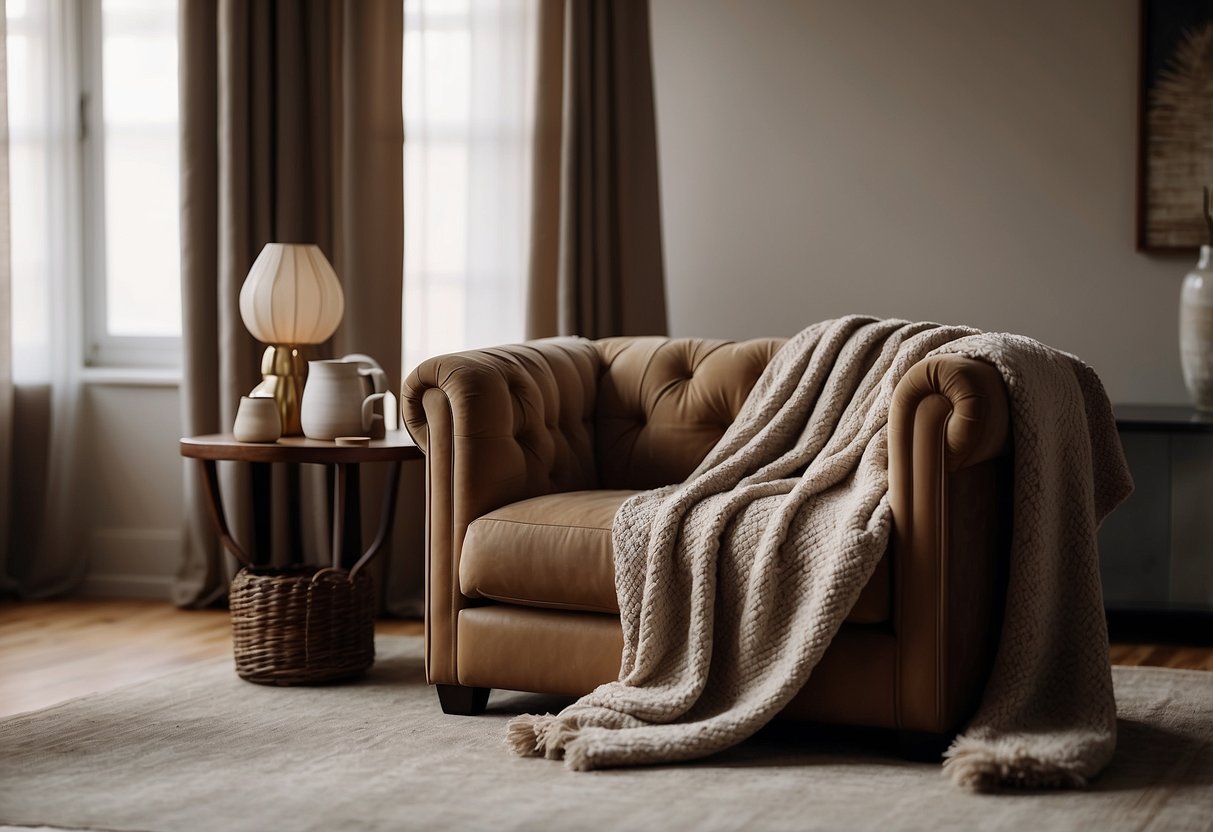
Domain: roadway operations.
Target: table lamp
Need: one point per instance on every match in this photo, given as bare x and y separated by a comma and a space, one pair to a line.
290, 298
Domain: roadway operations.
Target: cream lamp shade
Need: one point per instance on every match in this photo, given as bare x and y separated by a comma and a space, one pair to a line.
291, 295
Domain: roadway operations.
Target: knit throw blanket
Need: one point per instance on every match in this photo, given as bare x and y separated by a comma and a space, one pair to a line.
732, 583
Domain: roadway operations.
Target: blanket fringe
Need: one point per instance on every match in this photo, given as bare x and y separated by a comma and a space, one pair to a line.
577, 755
546, 735
983, 768
522, 734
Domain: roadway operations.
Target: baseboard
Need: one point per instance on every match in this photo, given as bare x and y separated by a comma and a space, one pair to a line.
132, 563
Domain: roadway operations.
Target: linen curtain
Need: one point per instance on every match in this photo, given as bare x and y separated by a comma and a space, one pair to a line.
596, 266
39, 335
291, 131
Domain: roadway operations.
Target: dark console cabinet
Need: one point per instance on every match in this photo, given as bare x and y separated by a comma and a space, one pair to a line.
1156, 550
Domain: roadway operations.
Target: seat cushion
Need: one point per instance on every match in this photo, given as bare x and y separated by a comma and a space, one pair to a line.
555, 552
552, 551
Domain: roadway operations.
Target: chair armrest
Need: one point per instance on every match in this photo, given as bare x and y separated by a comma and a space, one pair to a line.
948, 445
497, 426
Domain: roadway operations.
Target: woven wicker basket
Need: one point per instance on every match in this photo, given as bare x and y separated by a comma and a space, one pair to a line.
302, 625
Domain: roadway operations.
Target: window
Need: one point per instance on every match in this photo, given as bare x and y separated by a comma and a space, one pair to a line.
469, 102
94, 164
133, 167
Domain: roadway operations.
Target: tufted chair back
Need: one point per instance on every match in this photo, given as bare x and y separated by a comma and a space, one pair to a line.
664, 402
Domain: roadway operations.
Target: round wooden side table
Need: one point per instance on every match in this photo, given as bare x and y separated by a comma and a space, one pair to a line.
344, 461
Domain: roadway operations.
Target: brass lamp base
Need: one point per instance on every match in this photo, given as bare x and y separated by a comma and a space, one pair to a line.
283, 373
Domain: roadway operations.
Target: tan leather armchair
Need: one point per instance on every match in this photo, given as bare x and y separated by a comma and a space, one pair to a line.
531, 448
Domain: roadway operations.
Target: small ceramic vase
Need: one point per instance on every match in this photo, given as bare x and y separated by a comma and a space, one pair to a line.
1196, 330
257, 420
335, 402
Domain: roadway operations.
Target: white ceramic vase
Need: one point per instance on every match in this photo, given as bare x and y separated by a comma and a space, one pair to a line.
1196, 330
335, 402
257, 420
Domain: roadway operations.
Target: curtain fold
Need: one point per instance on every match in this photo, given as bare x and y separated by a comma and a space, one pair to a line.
291, 131
43, 341
6, 312
596, 265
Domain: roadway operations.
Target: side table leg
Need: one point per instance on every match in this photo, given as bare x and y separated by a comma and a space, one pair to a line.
338, 513
351, 542
214, 504
294, 531
263, 513
386, 515
347, 515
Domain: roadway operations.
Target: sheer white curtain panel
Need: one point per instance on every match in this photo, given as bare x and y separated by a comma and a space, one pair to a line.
469, 112
44, 199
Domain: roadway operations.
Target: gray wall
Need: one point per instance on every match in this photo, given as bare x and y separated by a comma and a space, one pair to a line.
129, 489
966, 162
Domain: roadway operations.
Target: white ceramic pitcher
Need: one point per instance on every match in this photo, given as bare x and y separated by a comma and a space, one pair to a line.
335, 402
374, 380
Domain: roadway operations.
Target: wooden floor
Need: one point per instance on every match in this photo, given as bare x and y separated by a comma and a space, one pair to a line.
53, 651
58, 650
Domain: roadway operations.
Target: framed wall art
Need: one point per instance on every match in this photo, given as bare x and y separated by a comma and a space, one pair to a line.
1175, 116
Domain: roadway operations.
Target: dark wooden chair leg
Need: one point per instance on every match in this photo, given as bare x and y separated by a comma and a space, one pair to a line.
462, 701
922, 746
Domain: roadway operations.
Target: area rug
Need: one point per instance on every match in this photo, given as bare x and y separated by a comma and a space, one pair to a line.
202, 750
